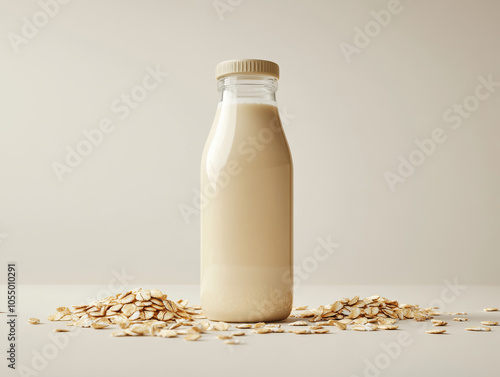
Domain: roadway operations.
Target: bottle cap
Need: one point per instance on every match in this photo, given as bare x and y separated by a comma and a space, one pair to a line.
250, 66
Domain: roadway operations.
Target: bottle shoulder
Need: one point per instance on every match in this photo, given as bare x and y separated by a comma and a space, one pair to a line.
251, 134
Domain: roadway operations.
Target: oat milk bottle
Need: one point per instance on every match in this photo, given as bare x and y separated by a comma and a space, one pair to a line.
247, 200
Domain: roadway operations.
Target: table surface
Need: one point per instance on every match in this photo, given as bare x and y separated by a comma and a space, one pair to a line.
408, 351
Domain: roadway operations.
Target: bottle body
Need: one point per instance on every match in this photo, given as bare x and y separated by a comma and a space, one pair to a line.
246, 213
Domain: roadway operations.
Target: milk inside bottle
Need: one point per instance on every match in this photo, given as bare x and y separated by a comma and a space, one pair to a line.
247, 200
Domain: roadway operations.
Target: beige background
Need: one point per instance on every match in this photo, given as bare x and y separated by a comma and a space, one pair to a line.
347, 125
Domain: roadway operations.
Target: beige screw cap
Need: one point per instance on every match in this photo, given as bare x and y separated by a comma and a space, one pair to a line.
250, 66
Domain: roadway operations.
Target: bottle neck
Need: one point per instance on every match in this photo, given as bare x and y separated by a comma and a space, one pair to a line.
248, 88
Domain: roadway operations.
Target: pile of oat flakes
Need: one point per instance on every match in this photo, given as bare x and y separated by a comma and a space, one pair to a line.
143, 312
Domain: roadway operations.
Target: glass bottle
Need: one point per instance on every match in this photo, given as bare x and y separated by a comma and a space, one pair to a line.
247, 200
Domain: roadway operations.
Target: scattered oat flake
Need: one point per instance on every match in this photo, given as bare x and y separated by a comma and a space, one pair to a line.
131, 333
192, 337
300, 331
304, 314
340, 325
258, 325
98, 325
436, 331
205, 325
388, 327
355, 313
461, 319
198, 316
198, 328
478, 329
299, 323
364, 320
384, 321
167, 333
128, 309
232, 341
364, 328
225, 336
143, 296
353, 300
244, 326
238, 333
34, 321
300, 307
118, 333
490, 309
61, 330
436, 322
489, 323
192, 332
175, 325
320, 331
221, 326
262, 330
156, 293
139, 329
277, 330
358, 328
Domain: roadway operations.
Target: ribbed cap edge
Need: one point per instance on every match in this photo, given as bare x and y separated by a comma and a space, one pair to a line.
251, 66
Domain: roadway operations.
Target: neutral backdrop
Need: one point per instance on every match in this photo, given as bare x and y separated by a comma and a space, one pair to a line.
350, 117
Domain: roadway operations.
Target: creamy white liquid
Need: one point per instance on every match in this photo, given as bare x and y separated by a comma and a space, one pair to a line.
246, 216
